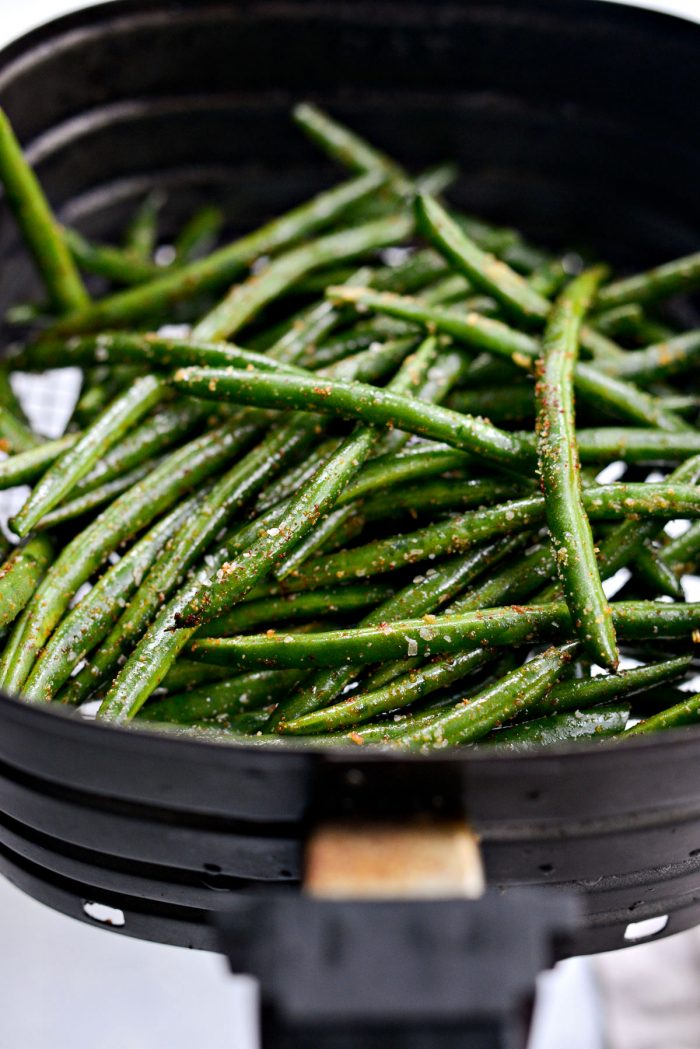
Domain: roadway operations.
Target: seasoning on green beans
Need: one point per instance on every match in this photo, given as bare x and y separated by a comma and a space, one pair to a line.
363, 522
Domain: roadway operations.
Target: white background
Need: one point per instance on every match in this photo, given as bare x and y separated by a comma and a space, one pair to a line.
64, 985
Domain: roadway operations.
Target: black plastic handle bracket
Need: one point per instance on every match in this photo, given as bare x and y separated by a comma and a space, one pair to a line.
398, 974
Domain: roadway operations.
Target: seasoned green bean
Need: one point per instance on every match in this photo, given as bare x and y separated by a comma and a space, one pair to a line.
511, 625
60, 479
222, 266
38, 225
20, 576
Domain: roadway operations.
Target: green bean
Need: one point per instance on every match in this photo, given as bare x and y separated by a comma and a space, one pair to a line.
15, 436
205, 599
355, 401
234, 696
157, 433
345, 146
673, 278
511, 625
103, 260
486, 333
231, 492
491, 706
562, 728
674, 355
682, 553
606, 688
199, 234
498, 404
634, 445
656, 574
481, 268
628, 320
437, 497
90, 620
180, 473
39, 227
60, 479
423, 595
569, 528
684, 713
327, 527
299, 344
245, 301
395, 469
8, 397
187, 674
453, 536
20, 575
96, 497
356, 154
147, 349
141, 235
219, 268
289, 607
471, 328
27, 466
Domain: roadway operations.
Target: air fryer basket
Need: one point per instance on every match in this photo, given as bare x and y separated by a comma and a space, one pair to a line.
564, 116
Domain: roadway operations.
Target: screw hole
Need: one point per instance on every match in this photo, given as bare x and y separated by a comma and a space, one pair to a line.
534, 795
645, 929
285, 873
213, 868
100, 912
546, 868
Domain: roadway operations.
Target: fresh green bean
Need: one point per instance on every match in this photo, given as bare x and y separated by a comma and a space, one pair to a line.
38, 225
160, 431
186, 674
634, 445
231, 492
60, 479
141, 234
8, 397
656, 574
683, 552
674, 355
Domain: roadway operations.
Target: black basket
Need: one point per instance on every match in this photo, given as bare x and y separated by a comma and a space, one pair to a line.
564, 117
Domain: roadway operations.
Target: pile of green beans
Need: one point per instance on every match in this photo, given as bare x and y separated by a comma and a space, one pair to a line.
355, 497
